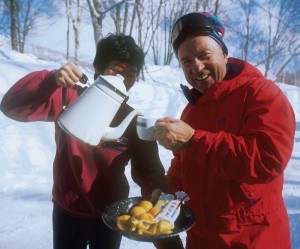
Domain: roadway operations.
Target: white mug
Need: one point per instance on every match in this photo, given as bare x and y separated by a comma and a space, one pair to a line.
145, 128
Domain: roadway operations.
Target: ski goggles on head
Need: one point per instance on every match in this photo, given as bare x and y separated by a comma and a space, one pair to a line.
195, 24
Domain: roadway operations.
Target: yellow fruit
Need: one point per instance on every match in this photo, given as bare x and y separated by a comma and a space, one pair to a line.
154, 211
164, 227
137, 210
146, 205
145, 216
132, 224
143, 224
122, 222
141, 220
152, 229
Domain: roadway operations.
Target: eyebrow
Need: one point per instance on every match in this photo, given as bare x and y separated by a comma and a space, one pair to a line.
183, 59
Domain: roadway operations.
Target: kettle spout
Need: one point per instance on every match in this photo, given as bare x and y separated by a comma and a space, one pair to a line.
117, 132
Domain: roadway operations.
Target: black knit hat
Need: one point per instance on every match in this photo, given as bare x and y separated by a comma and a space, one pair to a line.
198, 23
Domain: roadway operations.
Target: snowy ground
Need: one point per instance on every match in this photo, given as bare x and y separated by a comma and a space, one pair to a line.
27, 150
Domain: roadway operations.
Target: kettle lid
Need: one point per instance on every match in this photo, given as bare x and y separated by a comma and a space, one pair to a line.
117, 81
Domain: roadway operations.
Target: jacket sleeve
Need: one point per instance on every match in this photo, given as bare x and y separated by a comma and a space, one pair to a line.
35, 97
263, 146
173, 176
146, 167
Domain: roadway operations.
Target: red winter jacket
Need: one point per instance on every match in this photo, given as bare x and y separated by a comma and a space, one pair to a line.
233, 171
86, 179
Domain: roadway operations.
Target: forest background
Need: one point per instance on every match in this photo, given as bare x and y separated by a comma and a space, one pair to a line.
263, 32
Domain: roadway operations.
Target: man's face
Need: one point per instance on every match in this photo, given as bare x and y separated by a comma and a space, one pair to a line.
203, 61
128, 71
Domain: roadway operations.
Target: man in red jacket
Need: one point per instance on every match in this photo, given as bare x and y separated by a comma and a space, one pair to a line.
231, 145
85, 178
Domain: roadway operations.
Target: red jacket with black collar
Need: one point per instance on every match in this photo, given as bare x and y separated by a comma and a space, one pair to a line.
234, 170
85, 179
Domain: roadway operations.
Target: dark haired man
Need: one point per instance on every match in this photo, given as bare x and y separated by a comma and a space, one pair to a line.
231, 146
86, 178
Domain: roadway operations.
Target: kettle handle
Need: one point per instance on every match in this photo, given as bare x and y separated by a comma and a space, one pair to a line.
116, 132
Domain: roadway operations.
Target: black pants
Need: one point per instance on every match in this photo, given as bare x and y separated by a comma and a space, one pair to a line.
76, 233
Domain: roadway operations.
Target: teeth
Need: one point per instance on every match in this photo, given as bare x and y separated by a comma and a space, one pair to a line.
201, 78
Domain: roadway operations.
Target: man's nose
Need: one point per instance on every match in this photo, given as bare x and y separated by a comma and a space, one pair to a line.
198, 65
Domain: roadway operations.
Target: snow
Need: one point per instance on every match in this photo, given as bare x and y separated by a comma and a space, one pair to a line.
27, 152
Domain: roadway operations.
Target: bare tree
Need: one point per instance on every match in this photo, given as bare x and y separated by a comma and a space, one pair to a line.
151, 21
133, 18
156, 40
97, 16
68, 11
13, 25
172, 11
217, 5
246, 26
274, 45
244, 30
119, 11
290, 13
23, 16
293, 52
98, 10
76, 27
203, 5
3, 17
126, 17
139, 12
115, 14
282, 36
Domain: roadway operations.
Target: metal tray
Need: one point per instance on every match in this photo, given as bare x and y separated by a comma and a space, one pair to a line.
184, 222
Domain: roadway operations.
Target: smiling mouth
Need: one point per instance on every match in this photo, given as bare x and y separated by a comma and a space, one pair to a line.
204, 77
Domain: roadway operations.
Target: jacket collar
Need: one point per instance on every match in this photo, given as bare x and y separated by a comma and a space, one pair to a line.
238, 73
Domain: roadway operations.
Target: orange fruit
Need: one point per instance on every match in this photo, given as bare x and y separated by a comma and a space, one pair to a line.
152, 229
146, 204
145, 216
122, 222
137, 210
154, 211
164, 227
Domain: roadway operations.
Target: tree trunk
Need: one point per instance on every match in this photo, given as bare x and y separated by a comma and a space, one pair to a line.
132, 19
125, 17
68, 11
97, 16
76, 25
13, 24
118, 19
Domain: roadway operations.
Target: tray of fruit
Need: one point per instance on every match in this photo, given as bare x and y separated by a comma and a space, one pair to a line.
136, 218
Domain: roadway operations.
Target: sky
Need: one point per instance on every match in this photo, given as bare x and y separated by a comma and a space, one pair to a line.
27, 150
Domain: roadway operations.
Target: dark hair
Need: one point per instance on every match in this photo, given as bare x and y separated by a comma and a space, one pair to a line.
118, 47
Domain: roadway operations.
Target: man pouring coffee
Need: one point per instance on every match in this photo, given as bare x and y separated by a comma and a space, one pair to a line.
87, 178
